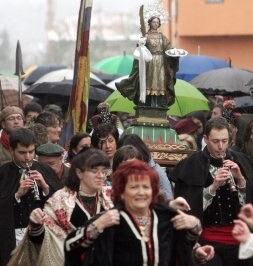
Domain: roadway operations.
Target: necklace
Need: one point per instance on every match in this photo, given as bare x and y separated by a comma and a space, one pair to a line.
142, 220
144, 226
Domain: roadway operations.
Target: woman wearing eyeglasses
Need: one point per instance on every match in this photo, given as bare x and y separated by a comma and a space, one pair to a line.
83, 196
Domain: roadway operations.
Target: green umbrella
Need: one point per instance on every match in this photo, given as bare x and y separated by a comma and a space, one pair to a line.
119, 103
188, 99
119, 65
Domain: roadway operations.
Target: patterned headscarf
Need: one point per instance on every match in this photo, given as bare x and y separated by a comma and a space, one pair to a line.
228, 111
104, 116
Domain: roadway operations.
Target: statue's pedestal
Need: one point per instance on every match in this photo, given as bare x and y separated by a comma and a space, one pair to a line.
152, 126
151, 116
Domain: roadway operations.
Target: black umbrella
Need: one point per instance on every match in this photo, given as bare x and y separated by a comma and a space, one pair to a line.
63, 88
244, 104
40, 71
106, 77
67, 74
225, 81
59, 92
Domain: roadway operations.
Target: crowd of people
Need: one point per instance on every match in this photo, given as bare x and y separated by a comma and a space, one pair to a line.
105, 201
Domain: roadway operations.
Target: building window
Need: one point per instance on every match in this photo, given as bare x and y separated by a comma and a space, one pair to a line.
214, 1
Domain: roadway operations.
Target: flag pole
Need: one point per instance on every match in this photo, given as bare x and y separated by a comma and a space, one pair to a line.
1, 97
78, 103
18, 72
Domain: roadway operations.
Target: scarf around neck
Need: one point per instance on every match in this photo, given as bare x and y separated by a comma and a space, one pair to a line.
4, 139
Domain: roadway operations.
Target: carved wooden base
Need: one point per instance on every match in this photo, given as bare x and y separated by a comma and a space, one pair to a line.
163, 142
151, 116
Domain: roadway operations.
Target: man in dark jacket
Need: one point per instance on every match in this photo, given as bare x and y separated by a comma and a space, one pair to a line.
24, 185
51, 154
216, 182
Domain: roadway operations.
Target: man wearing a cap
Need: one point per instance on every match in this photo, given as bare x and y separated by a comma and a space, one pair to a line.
11, 117
52, 155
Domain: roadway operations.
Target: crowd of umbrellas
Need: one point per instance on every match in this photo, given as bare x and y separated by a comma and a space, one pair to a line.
198, 77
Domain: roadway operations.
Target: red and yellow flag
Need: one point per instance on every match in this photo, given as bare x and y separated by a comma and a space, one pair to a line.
78, 103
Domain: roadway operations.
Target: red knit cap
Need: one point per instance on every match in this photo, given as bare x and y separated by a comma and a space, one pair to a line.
185, 126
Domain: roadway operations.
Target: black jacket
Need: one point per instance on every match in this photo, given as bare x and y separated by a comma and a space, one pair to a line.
14, 214
119, 246
191, 176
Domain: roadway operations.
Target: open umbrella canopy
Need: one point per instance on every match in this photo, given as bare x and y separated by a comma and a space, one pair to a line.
28, 71
64, 88
191, 66
119, 103
40, 71
228, 81
9, 82
57, 75
118, 65
10, 97
244, 104
105, 77
9, 91
68, 74
188, 99
59, 92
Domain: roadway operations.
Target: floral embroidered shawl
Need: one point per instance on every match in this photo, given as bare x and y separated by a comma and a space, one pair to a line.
58, 210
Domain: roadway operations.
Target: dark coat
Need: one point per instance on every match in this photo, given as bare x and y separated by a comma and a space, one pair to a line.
190, 177
118, 245
13, 214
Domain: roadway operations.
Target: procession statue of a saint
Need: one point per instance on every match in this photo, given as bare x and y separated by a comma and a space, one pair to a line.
153, 76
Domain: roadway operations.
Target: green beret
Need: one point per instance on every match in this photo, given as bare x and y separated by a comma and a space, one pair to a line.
49, 149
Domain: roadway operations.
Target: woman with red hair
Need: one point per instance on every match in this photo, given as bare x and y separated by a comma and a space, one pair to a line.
138, 231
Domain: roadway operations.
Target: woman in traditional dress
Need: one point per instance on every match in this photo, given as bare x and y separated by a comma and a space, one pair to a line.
69, 208
138, 231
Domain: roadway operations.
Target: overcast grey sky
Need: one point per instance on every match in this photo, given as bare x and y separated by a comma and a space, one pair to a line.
25, 20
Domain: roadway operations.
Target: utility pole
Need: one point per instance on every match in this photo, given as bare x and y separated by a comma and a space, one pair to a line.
50, 15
